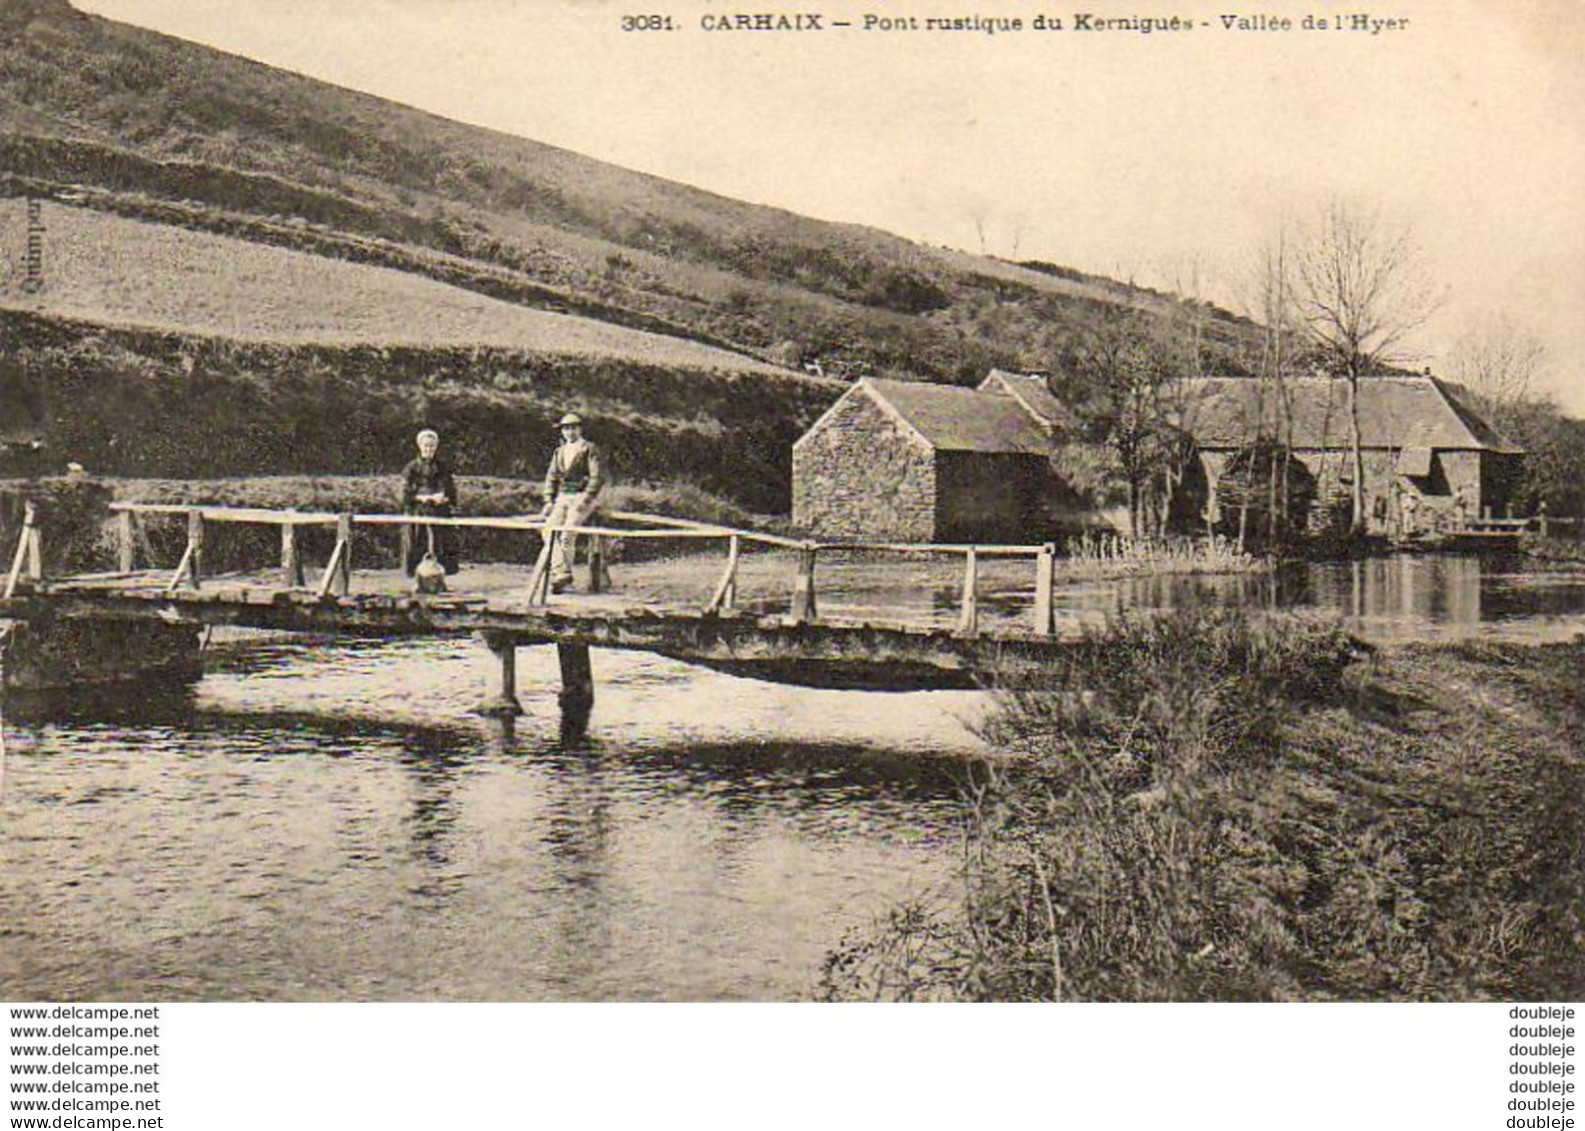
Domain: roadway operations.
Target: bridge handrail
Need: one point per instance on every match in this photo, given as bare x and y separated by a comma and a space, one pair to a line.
231, 514
679, 528
669, 527
995, 550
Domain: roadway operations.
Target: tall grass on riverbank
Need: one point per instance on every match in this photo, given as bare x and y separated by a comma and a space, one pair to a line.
1204, 807
1555, 552
1094, 556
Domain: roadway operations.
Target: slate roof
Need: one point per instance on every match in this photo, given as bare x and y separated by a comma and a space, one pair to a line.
1031, 390
1407, 411
955, 419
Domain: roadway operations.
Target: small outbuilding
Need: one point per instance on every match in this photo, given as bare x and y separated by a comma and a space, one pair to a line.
916, 462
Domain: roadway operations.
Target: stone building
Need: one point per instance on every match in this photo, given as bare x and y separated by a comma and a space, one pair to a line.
916, 462
1431, 463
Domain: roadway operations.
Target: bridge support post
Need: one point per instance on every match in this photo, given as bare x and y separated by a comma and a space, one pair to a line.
500, 677
577, 679
577, 691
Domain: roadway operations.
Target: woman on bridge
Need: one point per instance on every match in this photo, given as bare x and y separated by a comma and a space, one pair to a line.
428, 488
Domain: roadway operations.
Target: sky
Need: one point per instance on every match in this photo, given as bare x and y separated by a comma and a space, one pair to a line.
1164, 158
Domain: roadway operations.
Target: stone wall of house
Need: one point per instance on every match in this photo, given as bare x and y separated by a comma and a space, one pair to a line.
861, 474
1442, 500
985, 497
1334, 488
1399, 505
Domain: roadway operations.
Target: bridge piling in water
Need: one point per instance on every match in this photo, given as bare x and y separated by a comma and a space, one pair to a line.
500, 677
577, 682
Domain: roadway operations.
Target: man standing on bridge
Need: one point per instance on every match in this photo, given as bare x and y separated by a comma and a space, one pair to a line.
572, 490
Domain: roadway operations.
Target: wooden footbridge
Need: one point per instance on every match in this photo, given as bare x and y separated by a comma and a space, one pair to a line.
739, 601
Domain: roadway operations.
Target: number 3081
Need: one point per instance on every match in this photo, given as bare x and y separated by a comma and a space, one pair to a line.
646, 23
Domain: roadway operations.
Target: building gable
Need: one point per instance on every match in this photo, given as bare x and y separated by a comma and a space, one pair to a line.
1031, 391
861, 393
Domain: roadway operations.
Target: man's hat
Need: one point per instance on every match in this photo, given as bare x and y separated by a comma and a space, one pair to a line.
570, 418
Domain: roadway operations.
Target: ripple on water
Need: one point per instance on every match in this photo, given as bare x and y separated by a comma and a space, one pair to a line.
307, 824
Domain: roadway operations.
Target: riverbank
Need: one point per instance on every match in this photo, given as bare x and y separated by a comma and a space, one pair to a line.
1206, 809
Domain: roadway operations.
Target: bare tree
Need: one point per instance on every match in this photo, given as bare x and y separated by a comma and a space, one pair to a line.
1498, 361
1361, 290
1281, 348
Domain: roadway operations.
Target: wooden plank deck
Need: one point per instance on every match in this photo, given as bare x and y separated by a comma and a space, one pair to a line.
756, 641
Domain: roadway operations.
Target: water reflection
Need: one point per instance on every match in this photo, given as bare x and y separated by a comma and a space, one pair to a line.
1397, 599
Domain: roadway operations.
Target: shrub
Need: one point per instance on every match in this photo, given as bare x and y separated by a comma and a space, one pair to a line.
1163, 830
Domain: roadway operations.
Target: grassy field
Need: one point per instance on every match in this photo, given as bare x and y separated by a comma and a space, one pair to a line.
110, 269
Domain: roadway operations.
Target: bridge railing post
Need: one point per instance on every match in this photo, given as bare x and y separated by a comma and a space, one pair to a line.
969, 615
191, 568
342, 584
35, 539
195, 539
292, 575
27, 550
338, 571
599, 576
126, 542
539, 579
1045, 578
803, 601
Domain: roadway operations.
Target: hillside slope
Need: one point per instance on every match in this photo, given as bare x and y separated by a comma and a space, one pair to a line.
105, 268
85, 101
136, 402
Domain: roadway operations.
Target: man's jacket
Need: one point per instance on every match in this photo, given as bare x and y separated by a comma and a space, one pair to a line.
574, 469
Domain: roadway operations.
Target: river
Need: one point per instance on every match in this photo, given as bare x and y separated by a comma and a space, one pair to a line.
330, 822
